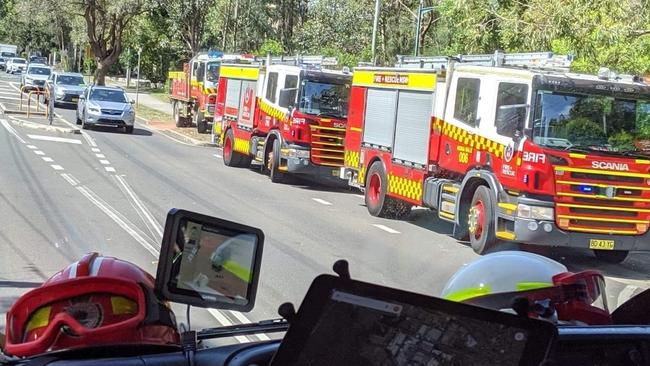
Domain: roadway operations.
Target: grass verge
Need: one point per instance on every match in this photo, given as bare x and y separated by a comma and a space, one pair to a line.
152, 114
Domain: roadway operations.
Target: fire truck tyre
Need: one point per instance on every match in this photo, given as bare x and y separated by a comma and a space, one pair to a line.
199, 120
230, 157
274, 163
178, 119
377, 202
611, 256
481, 218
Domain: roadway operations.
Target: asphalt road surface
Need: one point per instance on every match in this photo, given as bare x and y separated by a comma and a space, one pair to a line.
63, 195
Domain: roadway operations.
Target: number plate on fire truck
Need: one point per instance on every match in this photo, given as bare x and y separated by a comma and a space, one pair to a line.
601, 244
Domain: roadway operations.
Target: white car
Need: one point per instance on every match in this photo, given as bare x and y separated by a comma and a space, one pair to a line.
35, 77
16, 64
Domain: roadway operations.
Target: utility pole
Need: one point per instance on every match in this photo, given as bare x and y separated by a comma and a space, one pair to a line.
137, 82
421, 11
375, 24
128, 67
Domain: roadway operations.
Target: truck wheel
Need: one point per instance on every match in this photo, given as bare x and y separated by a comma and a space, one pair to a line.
481, 218
274, 163
230, 156
199, 121
377, 202
178, 119
611, 256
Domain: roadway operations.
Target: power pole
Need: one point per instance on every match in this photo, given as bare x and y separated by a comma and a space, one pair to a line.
375, 24
421, 11
137, 82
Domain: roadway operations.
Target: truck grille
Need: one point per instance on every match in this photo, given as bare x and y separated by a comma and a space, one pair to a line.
610, 202
327, 145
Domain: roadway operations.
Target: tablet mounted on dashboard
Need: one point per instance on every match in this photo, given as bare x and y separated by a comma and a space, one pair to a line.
347, 322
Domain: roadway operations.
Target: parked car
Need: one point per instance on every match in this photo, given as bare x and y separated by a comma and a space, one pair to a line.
66, 87
106, 106
16, 64
35, 77
38, 60
3, 63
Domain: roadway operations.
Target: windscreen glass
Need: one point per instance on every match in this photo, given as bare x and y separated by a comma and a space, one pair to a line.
212, 71
70, 80
324, 99
107, 95
39, 71
391, 333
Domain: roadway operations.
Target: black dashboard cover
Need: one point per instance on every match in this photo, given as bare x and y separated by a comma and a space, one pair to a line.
348, 322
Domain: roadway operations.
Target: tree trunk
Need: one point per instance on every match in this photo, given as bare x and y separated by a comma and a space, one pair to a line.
100, 72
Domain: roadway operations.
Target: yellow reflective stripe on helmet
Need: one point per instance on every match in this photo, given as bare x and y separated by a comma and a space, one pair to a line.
523, 286
238, 270
39, 318
121, 305
468, 293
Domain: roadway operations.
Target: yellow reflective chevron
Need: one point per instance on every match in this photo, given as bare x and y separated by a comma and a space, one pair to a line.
468, 139
241, 145
405, 187
351, 159
272, 110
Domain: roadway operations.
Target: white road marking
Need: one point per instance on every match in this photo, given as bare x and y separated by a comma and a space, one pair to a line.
359, 196
115, 216
386, 228
69, 178
54, 139
101, 156
88, 138
105, 162
226, 322
322, 202
39, 152
140, 206
109, 169
9, 98
47, 159
217, 156
96, 150
625, 294
242, 318
11, 130
32, 147
56, 167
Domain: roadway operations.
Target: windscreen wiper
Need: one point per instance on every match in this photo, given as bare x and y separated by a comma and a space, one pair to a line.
588, 149
264, 326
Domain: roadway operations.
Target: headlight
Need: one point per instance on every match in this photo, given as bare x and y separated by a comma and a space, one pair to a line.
60, 92
93, 110
129, 112
535, 212
296, 153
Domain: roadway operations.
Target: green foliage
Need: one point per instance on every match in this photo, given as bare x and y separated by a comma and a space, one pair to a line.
583, 131
622, 141
270, 46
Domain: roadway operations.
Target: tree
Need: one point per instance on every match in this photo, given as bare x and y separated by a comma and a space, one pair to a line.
187, 19
106, 23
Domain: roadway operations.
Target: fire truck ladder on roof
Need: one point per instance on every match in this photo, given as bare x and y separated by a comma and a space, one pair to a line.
535, 60
299, 60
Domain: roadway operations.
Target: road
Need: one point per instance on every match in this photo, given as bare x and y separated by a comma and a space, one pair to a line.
63, 195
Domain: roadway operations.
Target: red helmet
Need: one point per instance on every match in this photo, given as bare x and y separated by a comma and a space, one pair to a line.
95, 301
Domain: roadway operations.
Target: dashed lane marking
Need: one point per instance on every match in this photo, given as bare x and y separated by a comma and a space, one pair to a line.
101, 156
226, 322
386, 228
105, 162
47, 159
32, 147
217, 156
39, 152
56, 167
322, 201
54, 139
95, 150
359, 196
109, 169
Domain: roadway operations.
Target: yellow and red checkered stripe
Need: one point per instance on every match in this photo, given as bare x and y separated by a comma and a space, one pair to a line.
405, 187
271, 110
241, 145
468, 139
351, 159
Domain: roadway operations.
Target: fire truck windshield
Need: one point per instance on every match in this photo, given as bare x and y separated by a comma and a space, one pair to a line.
593, 122
212, 71
324, 99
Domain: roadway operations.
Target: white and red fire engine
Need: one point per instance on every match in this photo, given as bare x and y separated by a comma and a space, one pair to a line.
507, 147
193, 91
288, 114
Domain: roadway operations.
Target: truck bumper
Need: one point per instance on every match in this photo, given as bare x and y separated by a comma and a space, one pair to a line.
304, 166
547, 233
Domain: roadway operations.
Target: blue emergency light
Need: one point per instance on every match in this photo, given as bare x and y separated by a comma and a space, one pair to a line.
586, 189
215, 54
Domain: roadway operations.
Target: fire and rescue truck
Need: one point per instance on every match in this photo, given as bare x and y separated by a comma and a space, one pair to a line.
287, 114
507, 147
193, 91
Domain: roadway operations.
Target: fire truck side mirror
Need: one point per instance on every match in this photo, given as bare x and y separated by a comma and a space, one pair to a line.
511, 119
287, 97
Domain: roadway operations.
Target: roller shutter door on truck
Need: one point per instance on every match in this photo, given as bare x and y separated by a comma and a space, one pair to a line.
379, 123
233, 92
413, 126
247, 103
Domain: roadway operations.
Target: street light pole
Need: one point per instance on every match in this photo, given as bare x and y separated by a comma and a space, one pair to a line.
421, 11
375, 24
137, 82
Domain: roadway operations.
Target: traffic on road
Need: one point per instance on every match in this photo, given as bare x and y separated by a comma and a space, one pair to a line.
275, 209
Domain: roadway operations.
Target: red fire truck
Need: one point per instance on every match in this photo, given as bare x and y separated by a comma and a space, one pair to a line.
288, 114
507, 148
193, 90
